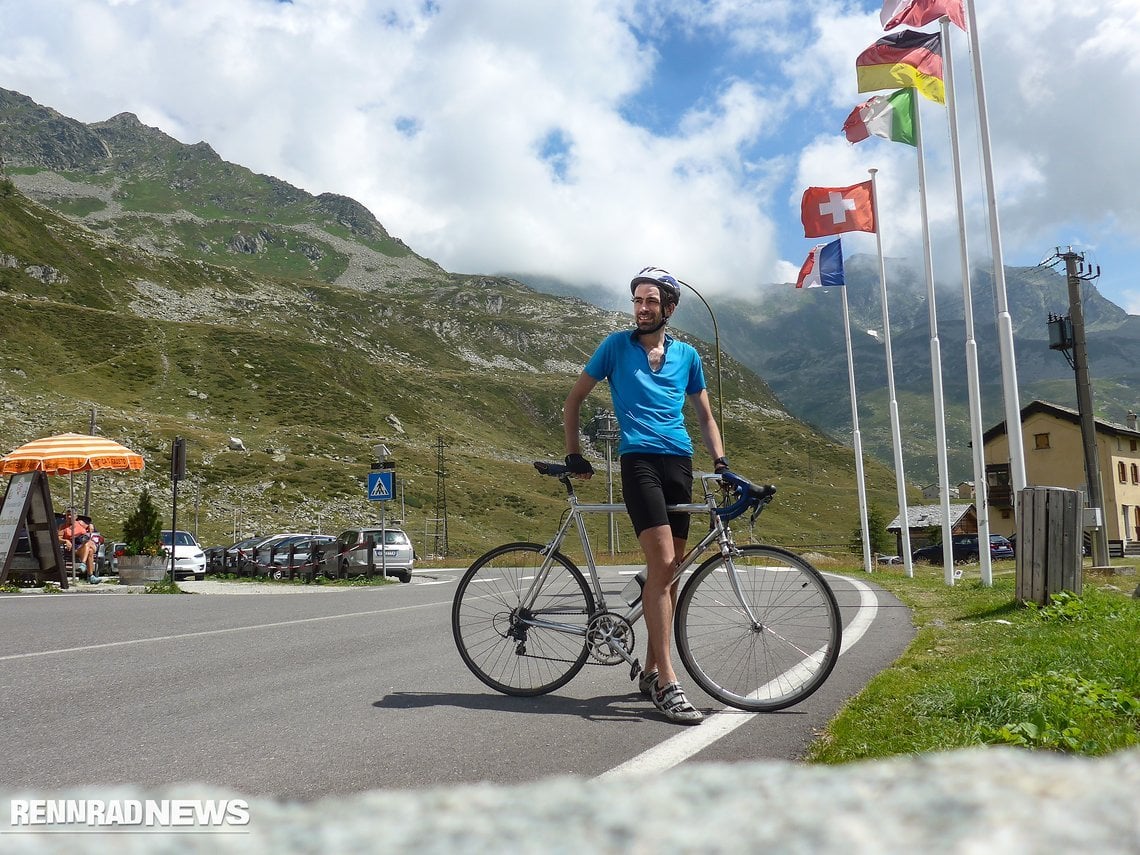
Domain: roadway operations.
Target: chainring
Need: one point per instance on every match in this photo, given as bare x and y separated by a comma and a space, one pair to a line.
607, 634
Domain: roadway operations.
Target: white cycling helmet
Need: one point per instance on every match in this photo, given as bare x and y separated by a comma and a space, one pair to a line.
666, 283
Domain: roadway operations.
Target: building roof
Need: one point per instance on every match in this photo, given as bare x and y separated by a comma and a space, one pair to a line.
926, 516
1064, 414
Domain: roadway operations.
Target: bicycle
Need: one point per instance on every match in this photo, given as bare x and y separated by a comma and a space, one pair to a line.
757, 627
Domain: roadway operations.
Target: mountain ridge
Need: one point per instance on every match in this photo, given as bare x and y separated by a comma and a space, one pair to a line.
134, 186
171, 302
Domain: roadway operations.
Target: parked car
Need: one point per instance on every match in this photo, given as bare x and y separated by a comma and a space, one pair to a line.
265, 552
107, 557
215, 558
965, 548
1000, 547
189, 559
239, 555
350, 555
302, 551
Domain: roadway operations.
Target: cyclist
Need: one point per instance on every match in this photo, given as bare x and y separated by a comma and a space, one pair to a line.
650, 376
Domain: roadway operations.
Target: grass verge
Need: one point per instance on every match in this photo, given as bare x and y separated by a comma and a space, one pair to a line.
165, 586
984, 670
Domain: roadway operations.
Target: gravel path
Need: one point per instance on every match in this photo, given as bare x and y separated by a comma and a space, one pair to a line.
217, 586
190, 586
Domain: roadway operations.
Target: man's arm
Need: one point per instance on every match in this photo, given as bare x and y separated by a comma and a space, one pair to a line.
710, 432
572, 412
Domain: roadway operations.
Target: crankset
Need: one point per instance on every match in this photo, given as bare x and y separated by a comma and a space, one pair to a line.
610, 639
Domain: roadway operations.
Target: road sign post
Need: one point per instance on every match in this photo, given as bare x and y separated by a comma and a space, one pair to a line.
380, 490
380, 486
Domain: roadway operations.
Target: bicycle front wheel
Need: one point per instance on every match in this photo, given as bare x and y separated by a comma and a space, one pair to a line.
517, 650
771, 662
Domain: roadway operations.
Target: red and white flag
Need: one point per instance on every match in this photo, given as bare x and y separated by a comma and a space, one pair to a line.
827, 211
919, 13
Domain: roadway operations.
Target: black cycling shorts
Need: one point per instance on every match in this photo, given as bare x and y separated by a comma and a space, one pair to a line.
649, 482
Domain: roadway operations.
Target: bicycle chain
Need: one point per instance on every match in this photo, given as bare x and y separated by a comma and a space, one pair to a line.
593, 658
589, 661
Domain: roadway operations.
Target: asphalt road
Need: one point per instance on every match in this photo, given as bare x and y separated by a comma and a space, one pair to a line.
309, 695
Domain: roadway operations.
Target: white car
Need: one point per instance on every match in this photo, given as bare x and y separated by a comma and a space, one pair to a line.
189, 559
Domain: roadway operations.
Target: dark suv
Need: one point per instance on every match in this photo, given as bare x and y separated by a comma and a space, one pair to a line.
965, 548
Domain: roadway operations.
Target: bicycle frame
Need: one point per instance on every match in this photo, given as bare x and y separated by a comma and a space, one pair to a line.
719, 533
756, 626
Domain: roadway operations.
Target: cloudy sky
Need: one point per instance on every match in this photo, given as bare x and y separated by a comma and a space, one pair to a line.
585, 139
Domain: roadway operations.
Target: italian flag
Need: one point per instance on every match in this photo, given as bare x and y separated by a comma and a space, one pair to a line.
890, 117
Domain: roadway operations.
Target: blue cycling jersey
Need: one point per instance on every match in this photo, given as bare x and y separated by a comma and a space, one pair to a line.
648, 404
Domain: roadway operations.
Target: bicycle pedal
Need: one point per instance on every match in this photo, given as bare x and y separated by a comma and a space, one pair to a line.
634, 669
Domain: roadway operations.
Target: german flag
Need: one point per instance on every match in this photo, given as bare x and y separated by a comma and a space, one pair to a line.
906, 59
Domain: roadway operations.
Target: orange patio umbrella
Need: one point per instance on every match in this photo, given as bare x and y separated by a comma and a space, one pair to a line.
70, 452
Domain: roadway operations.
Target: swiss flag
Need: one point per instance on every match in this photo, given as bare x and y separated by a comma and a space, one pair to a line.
827, 211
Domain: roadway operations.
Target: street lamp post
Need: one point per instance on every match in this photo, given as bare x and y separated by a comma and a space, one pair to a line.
716, 339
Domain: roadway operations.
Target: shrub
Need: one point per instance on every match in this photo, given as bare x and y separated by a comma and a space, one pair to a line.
142, 530
882, 541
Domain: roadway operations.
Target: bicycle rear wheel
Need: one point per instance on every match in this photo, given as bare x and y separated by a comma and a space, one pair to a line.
514, 650
776, 662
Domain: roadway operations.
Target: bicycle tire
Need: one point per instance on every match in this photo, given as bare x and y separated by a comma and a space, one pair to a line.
767, 667
508, 655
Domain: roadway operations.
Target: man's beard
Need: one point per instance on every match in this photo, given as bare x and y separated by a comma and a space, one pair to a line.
651, 326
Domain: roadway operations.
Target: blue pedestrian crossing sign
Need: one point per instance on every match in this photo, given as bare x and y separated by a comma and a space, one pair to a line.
380, 486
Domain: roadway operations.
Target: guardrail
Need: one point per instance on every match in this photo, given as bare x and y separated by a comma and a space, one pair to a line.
326, 562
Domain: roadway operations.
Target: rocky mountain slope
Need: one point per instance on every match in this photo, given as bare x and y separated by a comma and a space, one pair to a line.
173, 294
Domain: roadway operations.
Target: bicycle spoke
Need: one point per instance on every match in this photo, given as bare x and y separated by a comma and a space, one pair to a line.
774, 663
517, 650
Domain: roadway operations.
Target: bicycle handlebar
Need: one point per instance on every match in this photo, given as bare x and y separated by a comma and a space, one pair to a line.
748, 495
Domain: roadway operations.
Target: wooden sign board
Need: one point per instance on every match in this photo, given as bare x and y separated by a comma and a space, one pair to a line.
27, 505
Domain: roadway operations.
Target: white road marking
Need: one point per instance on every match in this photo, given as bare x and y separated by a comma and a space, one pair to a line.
684, 745
86, 648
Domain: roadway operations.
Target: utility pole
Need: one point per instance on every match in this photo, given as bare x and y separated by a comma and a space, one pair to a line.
1076, 273
87, 488
440, 547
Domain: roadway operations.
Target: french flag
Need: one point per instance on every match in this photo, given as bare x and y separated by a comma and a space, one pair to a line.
823, 267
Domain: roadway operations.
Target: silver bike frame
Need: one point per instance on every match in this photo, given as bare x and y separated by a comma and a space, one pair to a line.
719, 532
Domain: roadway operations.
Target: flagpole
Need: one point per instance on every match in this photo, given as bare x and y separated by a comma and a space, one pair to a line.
981, 493
857, 439
896, 438
1004, 321
935, 363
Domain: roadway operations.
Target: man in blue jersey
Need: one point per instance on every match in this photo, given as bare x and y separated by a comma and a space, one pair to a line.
651, 374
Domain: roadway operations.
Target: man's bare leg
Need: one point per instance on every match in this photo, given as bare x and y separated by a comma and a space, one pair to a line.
657, 545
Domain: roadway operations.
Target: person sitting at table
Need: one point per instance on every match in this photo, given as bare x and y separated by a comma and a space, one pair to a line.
75, 538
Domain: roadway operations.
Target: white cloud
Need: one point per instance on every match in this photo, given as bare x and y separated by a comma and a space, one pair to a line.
496, 136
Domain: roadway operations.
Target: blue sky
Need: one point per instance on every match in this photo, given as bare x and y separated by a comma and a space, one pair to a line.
588, 139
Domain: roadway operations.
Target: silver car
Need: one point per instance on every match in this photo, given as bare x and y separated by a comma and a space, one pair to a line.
350, 554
